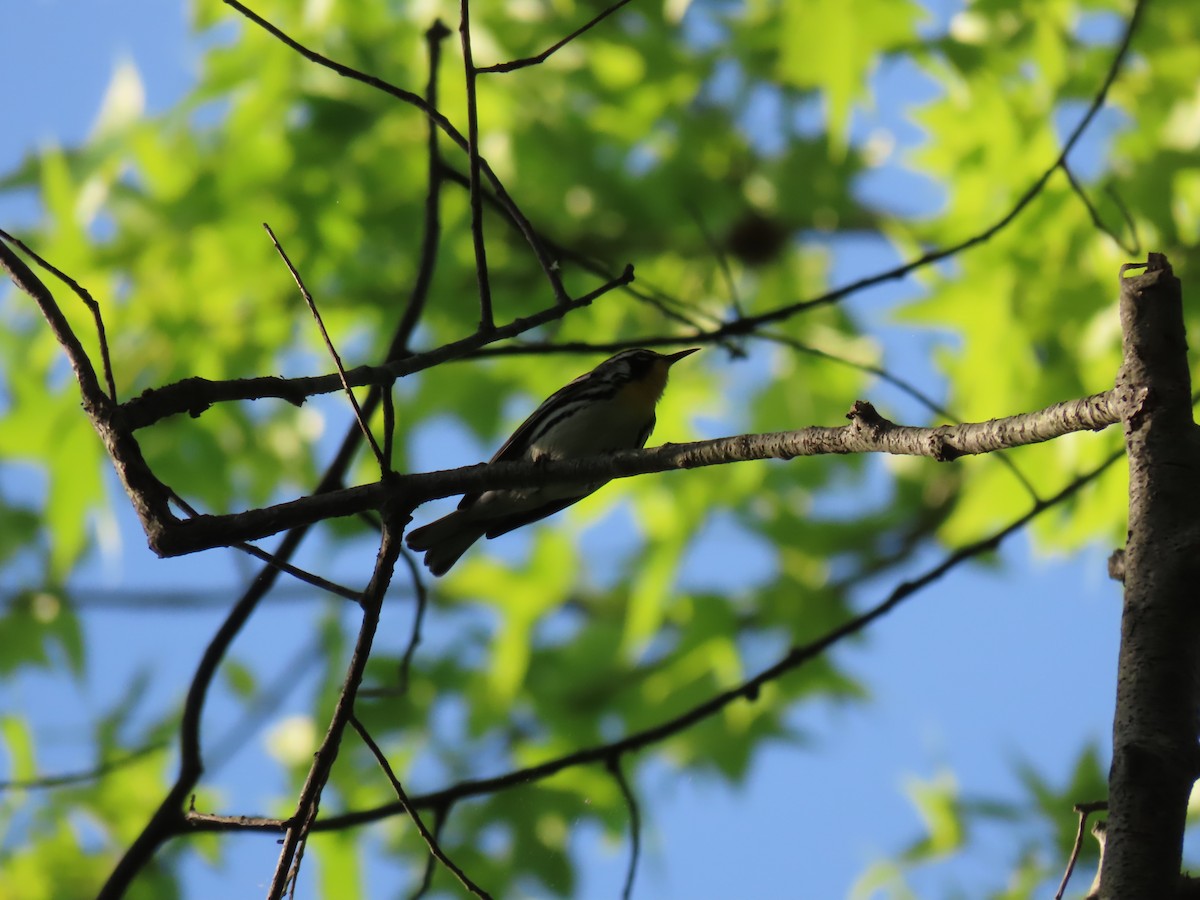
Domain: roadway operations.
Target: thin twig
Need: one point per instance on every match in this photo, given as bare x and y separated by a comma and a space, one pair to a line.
1130, 222
43, 782
742, 326
635, 822
431, 234
526, 228
83, 294
431, 861
337, 359
147, 495
903, 385
421, 594
168, 819
299, 574
194, 395
748, 690
722, 259
1093, 212
414, 639
665, 304
389, 428
430, 841
1084, 810
286, 869
270, 559
1062, 885
551, 50
487, 321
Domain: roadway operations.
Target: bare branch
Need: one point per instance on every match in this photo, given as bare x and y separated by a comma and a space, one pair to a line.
194, 395
515, 64
82, 293
867, 433
1093, 212
1084, 810
310, 795
422, 888
635, 823
168, 818
43, 782
146, 493
742, 326
670, 307
435, 116
198, 821
430, 840
1154, 763
287, 568
903, 385
748, 690
487, 321
337, 359
299, 574
432, 233
414, 640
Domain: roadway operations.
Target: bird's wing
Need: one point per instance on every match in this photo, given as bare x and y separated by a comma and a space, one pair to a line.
497, 527
514, 447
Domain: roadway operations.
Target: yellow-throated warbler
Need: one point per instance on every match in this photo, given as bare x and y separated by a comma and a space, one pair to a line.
610, 408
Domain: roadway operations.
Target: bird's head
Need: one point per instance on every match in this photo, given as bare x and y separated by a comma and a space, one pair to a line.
641, 371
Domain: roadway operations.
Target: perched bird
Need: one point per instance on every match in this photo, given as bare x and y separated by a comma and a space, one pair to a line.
609, 408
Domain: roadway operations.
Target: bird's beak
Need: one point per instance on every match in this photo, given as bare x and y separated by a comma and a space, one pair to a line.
673, 358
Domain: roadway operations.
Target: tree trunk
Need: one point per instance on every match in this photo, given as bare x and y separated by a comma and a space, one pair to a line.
1156, 722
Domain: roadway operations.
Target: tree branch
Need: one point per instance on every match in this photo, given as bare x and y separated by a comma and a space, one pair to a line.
168, 817
635, 823
318, 774
797, 656
43, 782
744, 325
487, 321
540, 58
83, 294
337, 359
1156, 723
1083, 810
147, 494
195, 395
435, 849
867, 433
523, 224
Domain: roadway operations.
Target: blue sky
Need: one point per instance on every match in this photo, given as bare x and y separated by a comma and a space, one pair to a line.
823, 811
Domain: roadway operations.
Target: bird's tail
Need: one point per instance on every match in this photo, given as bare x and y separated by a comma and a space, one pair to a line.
445, 540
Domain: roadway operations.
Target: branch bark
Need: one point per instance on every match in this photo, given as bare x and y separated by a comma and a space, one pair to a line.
1156, 722
797, 656
195, 394
868, 432
298, 827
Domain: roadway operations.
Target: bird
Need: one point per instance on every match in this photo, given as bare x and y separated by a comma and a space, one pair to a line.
609, 408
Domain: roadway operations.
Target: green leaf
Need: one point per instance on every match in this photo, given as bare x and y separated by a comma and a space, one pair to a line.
833, 45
